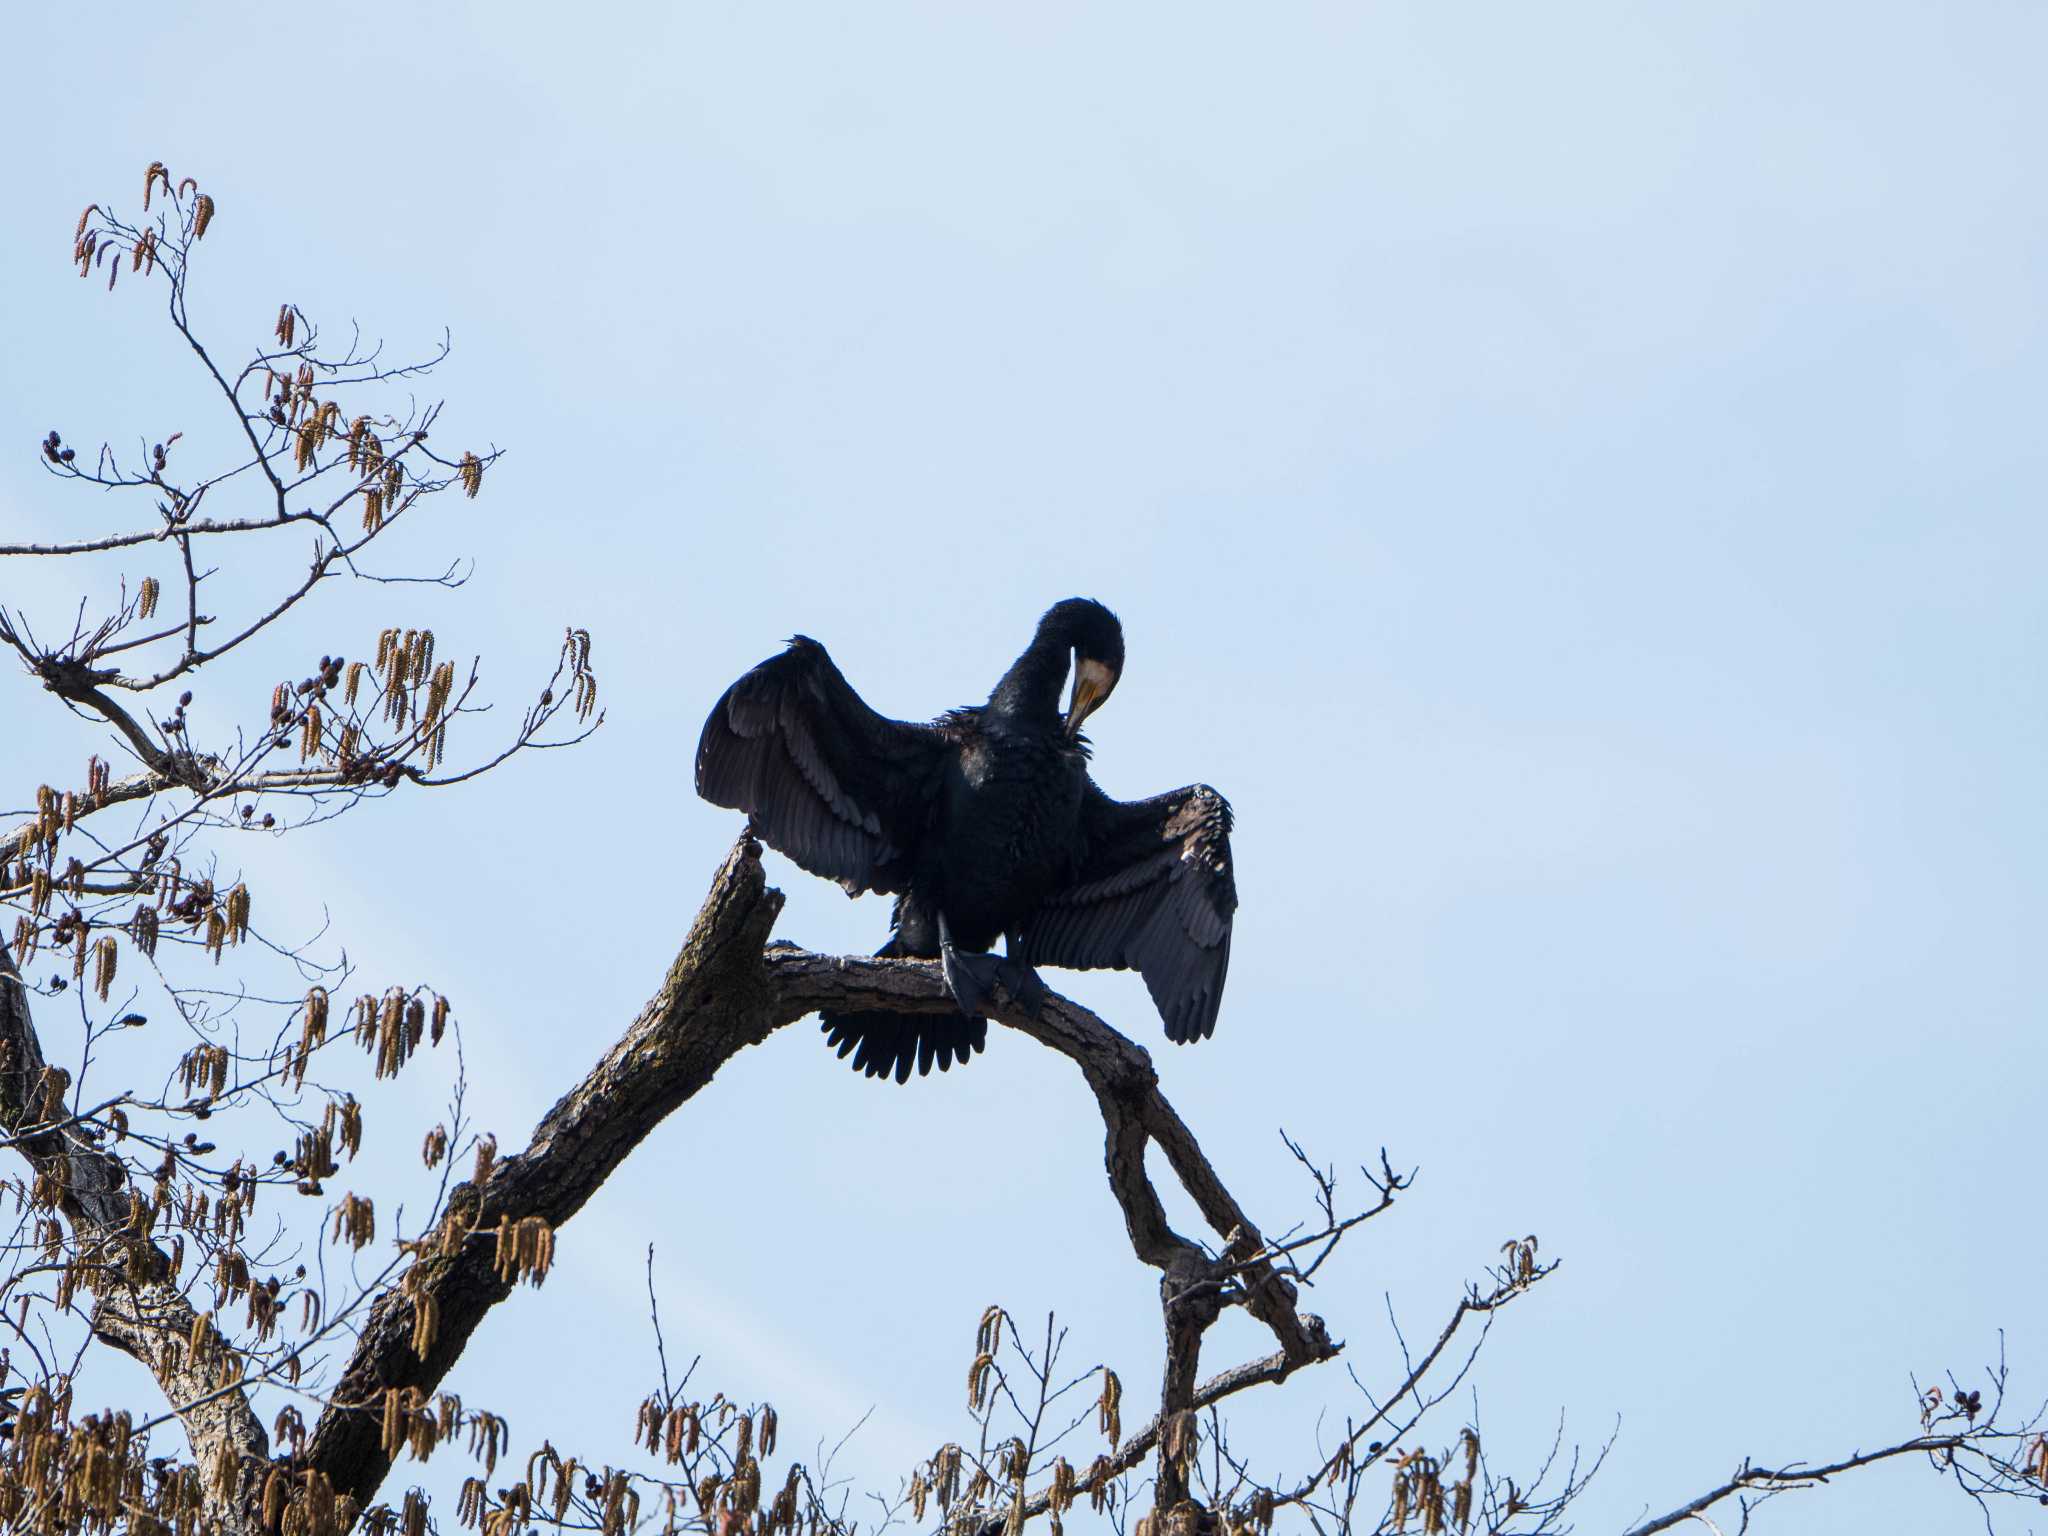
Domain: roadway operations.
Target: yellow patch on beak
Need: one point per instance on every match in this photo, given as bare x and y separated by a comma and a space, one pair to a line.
1092, 683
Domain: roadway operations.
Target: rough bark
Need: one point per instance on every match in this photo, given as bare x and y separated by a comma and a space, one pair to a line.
714, 1001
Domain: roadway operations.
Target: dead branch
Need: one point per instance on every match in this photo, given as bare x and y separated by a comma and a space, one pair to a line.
724, 992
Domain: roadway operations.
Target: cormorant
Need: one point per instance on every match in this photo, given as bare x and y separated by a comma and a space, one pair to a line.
983, 824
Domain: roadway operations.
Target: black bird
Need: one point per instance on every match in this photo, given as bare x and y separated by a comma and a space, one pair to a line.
984, 825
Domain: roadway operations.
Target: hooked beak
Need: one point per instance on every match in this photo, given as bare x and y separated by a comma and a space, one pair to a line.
1092, 682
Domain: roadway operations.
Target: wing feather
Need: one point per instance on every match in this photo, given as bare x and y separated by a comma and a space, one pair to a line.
1155, 894
840, 789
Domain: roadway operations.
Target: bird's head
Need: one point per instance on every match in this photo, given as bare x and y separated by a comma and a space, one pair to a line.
1092, 632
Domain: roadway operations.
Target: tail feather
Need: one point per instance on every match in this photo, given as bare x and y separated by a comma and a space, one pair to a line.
890, 1044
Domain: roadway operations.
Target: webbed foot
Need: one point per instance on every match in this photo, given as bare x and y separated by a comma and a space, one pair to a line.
970, 977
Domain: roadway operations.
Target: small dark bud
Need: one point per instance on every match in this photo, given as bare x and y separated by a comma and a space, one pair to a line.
278, 1159
184, 698
68, 455
269, 820
547, 697
202, 1113
248, 811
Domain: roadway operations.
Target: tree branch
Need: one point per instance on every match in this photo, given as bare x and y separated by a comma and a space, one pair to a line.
1126, 1089
138, 1309
713, 1003
724, 992
1764, 1480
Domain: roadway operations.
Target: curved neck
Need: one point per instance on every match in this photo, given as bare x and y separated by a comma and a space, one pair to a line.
1029, 693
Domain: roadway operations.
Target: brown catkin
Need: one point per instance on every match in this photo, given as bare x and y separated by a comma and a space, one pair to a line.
107, 954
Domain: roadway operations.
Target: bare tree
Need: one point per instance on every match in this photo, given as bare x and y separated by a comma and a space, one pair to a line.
155, 1224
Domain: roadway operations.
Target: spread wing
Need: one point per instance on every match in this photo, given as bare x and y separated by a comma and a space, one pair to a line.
841, 790
1154, 894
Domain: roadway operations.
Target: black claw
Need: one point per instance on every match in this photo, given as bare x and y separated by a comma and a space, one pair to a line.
969, 985
1024, 984
969, 977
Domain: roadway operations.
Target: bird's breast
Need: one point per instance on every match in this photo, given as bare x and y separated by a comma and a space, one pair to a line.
1011, 819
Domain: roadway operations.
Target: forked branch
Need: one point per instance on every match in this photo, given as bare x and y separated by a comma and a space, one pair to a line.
727, 989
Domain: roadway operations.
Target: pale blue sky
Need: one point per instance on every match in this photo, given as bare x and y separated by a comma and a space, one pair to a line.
1572, 475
